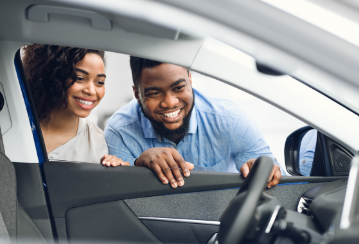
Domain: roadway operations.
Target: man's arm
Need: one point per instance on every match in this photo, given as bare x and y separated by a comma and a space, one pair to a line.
166, 162
248, 145
306, 152
274, 177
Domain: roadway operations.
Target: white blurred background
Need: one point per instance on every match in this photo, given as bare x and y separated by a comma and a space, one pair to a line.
275, 124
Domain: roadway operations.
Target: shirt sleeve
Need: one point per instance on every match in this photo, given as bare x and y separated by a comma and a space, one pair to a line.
306, 153
116, 145
248, 143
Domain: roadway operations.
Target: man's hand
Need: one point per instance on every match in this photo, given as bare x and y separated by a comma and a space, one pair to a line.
111, 160
274, 177
166, 162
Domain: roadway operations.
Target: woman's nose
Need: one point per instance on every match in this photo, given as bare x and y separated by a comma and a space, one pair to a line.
169, 101
90, 88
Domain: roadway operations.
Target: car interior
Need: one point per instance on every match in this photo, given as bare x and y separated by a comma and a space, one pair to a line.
70, 202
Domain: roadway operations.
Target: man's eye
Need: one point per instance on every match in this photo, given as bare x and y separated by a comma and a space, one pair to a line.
179, 88
153, 94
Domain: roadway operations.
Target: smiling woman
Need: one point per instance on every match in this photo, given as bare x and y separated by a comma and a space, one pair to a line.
66, 85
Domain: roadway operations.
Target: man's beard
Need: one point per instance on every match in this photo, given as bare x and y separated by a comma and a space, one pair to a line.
175, 135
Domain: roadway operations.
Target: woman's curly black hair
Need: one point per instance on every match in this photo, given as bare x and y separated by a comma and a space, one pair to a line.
50, 71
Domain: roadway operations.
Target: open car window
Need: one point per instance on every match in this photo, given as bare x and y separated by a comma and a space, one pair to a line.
274, 124
81, 209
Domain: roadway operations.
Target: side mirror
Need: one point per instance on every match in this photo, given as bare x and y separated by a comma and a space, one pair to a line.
308, 152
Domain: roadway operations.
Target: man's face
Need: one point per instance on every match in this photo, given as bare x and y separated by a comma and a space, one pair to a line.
165, 94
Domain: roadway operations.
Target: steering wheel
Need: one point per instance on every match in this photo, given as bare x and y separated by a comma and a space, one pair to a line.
238, 218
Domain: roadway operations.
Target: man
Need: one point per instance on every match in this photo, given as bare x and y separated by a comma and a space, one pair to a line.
172, 126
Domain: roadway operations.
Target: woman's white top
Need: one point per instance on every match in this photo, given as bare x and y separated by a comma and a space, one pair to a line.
89, 145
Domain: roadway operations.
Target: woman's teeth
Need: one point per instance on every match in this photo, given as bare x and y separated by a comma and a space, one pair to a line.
84, 102
173, 114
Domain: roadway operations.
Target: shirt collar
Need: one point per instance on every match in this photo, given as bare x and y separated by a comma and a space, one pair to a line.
81, 126
150, 132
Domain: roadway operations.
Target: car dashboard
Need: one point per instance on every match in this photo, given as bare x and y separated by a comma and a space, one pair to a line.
323, 202
317, 213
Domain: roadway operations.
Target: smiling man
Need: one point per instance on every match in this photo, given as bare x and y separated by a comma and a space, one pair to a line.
171, 126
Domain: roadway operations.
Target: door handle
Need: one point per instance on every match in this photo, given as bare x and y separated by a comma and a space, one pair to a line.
40, 13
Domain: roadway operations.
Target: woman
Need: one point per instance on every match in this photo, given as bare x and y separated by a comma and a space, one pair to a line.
66, 85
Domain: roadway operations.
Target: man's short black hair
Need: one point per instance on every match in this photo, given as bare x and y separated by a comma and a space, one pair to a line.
139, 64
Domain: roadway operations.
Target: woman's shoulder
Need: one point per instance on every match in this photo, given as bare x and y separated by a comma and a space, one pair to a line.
90, 126
92, 133
88, 129
89, 145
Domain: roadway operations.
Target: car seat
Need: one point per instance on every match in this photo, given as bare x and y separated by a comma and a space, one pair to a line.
15, 225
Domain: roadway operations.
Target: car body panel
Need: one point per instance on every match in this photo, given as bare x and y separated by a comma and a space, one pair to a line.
20, 133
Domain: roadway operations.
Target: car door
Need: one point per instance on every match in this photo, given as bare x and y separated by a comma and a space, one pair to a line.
93, 202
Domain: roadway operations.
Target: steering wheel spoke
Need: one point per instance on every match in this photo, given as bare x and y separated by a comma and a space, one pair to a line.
239, 219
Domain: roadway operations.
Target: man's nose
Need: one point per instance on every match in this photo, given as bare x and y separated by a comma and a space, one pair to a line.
169, 101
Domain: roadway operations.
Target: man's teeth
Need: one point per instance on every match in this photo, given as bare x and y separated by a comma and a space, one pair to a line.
84, 102
173, 114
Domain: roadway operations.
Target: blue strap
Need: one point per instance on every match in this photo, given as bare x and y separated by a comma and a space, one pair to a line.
39, 152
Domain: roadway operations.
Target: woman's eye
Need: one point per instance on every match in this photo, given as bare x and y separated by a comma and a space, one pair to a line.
102, 83
80, 78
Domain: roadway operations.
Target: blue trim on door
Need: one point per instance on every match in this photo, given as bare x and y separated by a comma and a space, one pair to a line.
39, 152
295, 183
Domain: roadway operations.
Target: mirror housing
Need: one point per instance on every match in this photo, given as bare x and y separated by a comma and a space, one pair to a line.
330, 158
292, 148
265, 69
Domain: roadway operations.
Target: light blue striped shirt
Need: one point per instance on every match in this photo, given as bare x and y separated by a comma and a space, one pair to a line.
221, 136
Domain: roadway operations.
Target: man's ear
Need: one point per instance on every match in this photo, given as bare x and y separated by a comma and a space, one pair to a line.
135, 92
190, 78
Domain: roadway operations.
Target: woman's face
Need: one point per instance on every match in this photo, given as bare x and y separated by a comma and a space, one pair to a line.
89, 88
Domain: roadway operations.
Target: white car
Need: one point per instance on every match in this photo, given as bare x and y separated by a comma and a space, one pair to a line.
307, 57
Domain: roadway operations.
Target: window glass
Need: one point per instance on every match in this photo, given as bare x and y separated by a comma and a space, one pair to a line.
274, 123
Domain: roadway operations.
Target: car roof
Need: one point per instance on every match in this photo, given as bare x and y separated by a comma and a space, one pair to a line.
209, 37
274, 37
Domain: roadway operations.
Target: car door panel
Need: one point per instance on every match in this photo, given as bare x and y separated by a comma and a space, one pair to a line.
181, 232
97, 202
77, 184
106, 221
77, 192
32, 197
210, 203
